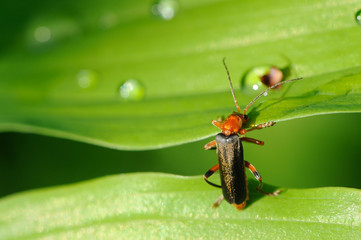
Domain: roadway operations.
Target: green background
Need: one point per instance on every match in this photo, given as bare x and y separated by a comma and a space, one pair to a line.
307, 152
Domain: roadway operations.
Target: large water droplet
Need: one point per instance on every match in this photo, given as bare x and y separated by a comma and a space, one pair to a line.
131, 90
358, 17
86, 78
165, 9
251, 81
260, 78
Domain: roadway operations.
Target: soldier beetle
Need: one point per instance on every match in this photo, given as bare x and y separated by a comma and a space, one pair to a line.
231, 163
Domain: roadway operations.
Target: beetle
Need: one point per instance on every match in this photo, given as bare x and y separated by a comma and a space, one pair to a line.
231, 163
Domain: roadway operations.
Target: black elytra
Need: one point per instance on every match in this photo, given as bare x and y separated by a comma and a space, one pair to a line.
232, 168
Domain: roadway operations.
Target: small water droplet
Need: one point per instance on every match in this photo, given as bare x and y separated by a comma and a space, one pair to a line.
358, 17
45, 31
42, 34
108, 20
165, 9
131, 90
86, 78
261, 77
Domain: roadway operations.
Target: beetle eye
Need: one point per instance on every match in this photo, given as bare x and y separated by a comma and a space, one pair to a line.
245, 117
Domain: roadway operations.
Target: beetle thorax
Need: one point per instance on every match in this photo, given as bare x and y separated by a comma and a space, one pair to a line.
232, 124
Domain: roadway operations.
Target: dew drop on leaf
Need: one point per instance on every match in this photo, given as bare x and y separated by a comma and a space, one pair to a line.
42, 34
251, 81
165, 9
131, 90
86, 78
260, 78
50, 30
108, 20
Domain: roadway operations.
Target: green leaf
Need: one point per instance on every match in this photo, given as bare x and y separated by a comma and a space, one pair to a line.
158, 206
179, 64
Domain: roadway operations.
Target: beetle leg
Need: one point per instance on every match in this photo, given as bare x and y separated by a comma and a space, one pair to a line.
210, 145
262, 125
210, 173
219, 200
252, 140
217, 124
259, 178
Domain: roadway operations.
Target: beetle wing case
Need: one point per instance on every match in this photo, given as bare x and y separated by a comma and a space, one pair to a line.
231, 167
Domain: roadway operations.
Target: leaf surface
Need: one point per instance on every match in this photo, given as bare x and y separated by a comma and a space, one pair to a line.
179, 64
155, 206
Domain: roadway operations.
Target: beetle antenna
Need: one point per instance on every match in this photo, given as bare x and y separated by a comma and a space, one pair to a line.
291, 80
230, 84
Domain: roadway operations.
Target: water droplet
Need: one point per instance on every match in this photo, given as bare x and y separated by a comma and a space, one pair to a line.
42, 34
108, 20
251, 81
131, 90
86, 78
165, 9
46, 31
261, 77
358, 17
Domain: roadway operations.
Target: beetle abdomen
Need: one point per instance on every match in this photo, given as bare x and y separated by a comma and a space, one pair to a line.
231, 167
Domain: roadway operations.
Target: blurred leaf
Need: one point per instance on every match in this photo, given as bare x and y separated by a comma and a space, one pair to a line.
158, 206
179, 64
